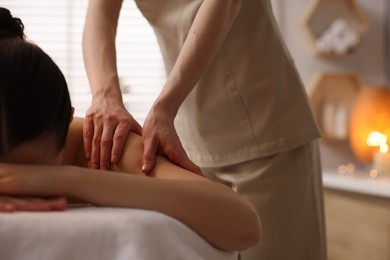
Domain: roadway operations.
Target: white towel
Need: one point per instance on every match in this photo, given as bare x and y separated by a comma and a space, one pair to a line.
92, 233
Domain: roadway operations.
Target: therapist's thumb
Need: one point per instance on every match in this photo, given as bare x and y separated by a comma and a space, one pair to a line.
179, 157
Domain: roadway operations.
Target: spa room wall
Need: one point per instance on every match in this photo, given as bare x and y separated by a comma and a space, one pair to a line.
368, 61
357, 204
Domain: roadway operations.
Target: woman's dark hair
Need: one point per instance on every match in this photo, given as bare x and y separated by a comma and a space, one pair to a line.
10, 27
34, 98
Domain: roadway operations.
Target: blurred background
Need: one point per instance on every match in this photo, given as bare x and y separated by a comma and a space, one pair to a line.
341, 50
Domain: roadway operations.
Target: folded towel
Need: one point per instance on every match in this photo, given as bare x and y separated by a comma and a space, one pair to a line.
101, 234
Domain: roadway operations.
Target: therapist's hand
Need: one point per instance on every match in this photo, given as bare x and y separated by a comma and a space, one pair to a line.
159, 136
106, 127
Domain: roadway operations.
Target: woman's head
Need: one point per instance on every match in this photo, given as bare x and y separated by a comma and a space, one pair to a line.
10, 27
34, 98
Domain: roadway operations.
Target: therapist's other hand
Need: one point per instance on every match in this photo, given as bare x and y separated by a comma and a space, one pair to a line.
12, 204
159, 136
106, 127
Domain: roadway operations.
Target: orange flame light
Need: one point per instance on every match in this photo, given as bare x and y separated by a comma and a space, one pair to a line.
370, 123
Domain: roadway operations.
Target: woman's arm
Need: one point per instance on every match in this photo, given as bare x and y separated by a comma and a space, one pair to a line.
212, 210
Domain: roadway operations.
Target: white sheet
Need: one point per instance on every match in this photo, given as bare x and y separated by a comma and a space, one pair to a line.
92, 233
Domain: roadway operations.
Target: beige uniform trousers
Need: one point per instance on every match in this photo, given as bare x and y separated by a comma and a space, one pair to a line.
286, 190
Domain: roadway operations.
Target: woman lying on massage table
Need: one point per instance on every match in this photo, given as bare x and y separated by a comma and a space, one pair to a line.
36, 114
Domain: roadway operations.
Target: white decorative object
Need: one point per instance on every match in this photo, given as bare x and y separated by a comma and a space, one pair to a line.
341, 119
328, 111
339, 38
381, 160
381, 156
334, 120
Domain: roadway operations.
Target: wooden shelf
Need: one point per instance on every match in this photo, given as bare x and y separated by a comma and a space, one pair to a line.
334, 27
332, 96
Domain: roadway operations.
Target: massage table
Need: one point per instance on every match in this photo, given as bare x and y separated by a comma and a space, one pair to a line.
93, 233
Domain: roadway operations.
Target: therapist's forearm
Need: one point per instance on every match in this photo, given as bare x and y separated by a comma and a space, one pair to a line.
99, 50
209, 29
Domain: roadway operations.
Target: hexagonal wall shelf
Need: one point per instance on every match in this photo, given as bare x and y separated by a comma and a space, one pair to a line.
334, 27
332, 96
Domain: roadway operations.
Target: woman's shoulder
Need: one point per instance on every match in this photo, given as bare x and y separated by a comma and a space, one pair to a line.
130, 161
74, 149
73, 153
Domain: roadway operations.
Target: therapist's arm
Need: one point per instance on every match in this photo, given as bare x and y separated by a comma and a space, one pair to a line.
209, 29
107, 121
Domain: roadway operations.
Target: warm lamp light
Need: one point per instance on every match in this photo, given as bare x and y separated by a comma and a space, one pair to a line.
370, 122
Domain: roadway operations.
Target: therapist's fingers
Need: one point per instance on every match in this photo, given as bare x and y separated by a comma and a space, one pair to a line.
178, 156
106, 145
87, 136
173, 149
119, 139
105, 132
120, 136
95, 151
135, 126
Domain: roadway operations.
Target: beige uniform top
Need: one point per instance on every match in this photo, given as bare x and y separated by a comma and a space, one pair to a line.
250, 102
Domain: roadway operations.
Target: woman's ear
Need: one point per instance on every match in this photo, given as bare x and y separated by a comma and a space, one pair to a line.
71, 115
